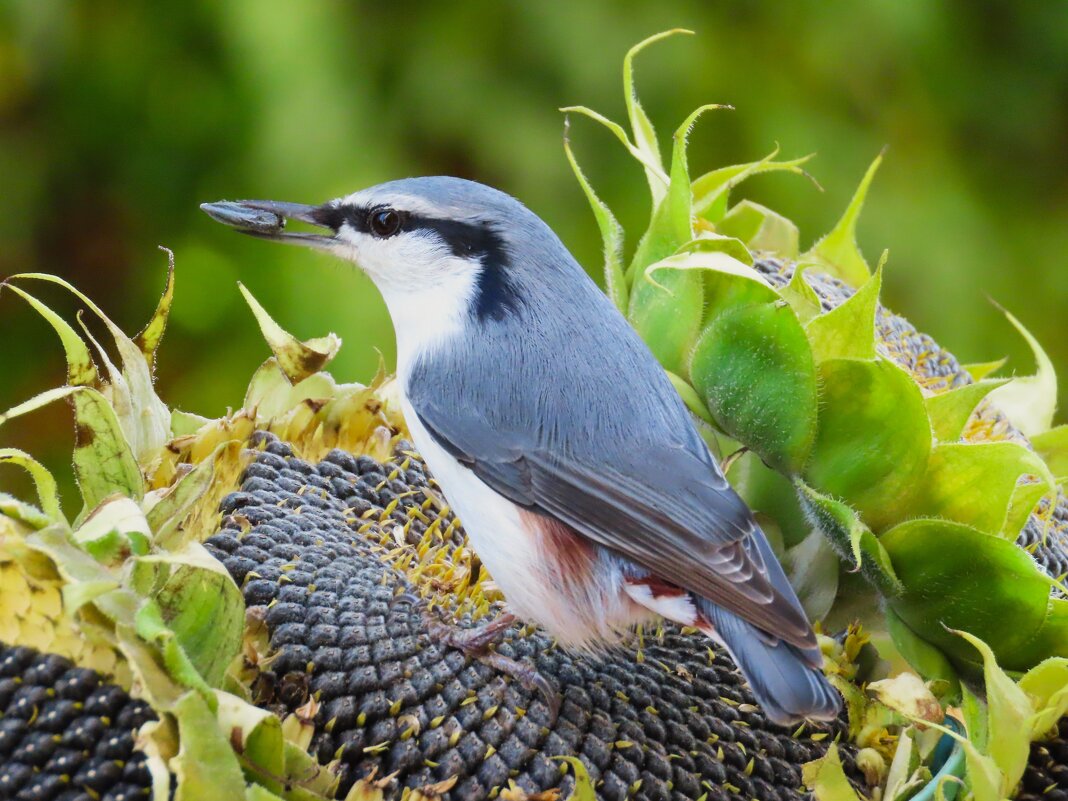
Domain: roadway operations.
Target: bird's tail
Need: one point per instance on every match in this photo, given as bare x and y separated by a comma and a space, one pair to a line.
786, 680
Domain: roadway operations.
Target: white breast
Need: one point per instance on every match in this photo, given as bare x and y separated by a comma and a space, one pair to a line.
492, 522
577, 612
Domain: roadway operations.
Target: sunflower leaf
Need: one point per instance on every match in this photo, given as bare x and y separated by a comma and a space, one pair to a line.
950, 411
848, 331
1052, 446
826, 779
611, 233
644, 134
1029, 401
144, 418
838, 251
761, 229
975, 483
103, 460
297, 359
47, 492
711, 192
81, 371
149, 338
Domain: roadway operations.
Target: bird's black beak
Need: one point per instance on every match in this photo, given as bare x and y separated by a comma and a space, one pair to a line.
267, 219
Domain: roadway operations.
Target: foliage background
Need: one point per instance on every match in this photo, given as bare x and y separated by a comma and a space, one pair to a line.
117, 117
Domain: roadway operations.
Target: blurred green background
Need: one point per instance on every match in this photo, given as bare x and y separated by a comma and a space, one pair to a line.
117, 117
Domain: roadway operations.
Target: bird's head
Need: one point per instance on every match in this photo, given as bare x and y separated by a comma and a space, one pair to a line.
449, 241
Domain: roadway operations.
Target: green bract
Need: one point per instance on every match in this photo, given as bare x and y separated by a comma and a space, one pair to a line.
921, 485
127, 589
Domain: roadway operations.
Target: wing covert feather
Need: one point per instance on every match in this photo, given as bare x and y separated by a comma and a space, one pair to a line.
661, 506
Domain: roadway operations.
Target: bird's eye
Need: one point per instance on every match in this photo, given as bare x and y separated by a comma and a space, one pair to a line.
385, 222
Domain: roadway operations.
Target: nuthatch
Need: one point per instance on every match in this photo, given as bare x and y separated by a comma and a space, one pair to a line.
578, 473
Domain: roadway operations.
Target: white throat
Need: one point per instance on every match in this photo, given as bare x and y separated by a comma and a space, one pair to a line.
427, 318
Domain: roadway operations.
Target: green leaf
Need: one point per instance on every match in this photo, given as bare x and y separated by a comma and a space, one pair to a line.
75, 596
976, 721
143, 417
753, 367
26, 514
297, 359
873, 439
85, 579
103, 461
838, 251
644, 135
611, 234
666, 309
901, 779
690, 397
652, 167
1046, 685
259, 733
47, 492
1001, 597
761, 229
980, 370
671, 225
986, 782
1009, 711
1052, 446
583, 784
116, 513
1052, 636
848, 330
154, 678
206, 766
974, 483
801, 296
199, 603
826, 779
151, 628
769, 492
185, 423
679, 292
711, 192
950, 411
718, 243
257, 792
171, 508
148, 340
851, 538
1025, 498
81, 370
812, 568
269, 390
108, 548
714, 260
922, 656
1029, 401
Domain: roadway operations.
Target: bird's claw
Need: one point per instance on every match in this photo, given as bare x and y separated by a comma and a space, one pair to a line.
476, 642
527, 675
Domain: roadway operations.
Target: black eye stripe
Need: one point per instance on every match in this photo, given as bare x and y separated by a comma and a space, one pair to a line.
464, 239
496, 293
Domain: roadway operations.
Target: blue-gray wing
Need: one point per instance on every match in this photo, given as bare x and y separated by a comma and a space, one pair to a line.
659, 502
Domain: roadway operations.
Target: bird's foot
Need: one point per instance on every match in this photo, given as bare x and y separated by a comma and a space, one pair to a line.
527, 675
477, 643
474, 640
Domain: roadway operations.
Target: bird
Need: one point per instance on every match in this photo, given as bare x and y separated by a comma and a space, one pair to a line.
580, 477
